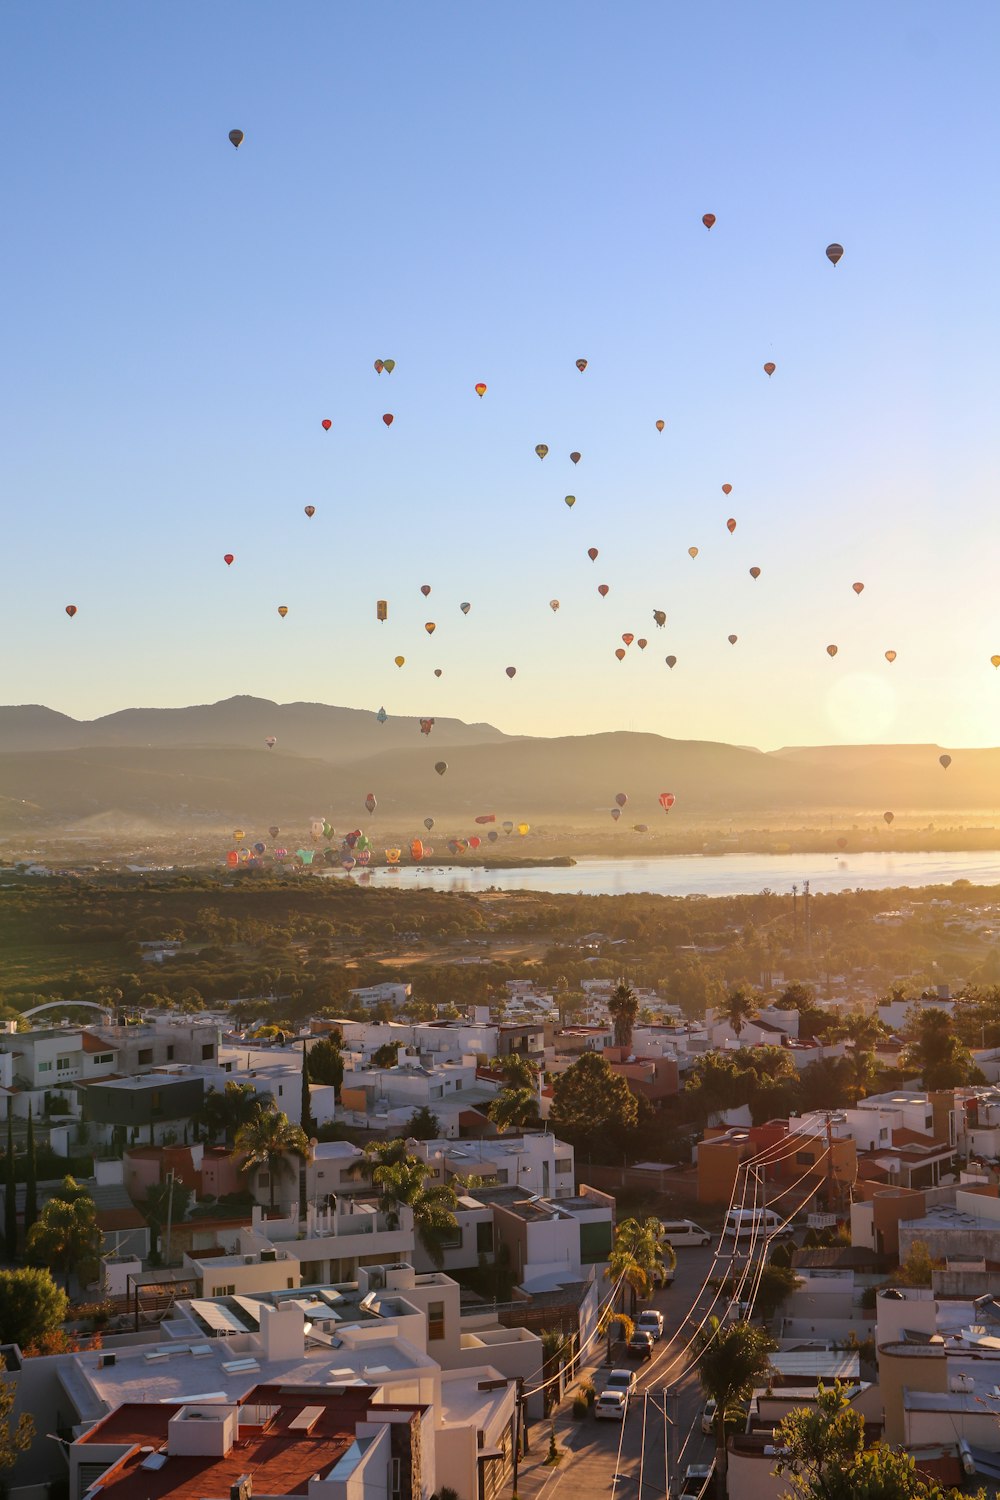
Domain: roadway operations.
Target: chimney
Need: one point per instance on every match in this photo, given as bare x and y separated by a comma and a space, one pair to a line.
282, 1331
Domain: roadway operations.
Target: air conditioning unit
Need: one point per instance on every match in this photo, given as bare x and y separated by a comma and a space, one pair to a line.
249, 1260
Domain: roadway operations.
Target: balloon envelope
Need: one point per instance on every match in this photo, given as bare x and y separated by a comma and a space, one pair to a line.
399, 660
945, 760
620, 653
731, 525
628, 637
570, 501
430, 627
671, 661
270, 742
379, 367
425, 589
388, 418
326, 424
581, 365
660, 424
888, 816
381, 609
371, 803
541, 449
71, 610
660, 616
733, 639
834, 252
523, 828
232, 859
274, 830
487, 818
416, 849
890, 656
593, 553
708, 220
465, 607
769, 368
511, 671
831, 650
616, 813
426, 725
441, 766
388, 365
553, 605
603, 589
381, 716
228, 559
692, 552
480, 389
667, 800
236, 136
575, 458
282, 610
754, 572
621, 798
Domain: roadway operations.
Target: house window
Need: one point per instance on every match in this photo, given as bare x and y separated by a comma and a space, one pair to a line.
803, 1158
63, 1063
170, 1052
224, 1291
484, 1239
157, 1099
145, 1057
281, 1090
928, 1122
435, 1320
103, 1057
45, 1067
208, 1052
564, 1165
291, 1283
436, 1091
395, 1477
502, 1177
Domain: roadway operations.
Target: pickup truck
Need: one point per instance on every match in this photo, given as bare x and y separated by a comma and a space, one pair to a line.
697, 1480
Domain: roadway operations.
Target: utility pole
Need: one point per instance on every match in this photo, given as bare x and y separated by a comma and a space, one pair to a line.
170, 1215
795, 914
808, 918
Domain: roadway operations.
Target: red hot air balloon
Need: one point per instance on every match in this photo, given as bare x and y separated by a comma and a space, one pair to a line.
426, 725
628, 637
727, 489
754, 572
481, 390
731, 525
388, 418
620, 653
379, 367
371, 803
708, 220
326, 424
769, 368
487, 818
858, 588
603, 589
667, 800
228, 559
71, 610
581, 365
310, 510
592, 553
475, 841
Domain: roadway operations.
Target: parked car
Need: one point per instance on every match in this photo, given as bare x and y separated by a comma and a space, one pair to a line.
679, 1232
611, 1406
621, 1380
640, 1345
708, 1416
664, 1277
651, 1321
697, 1480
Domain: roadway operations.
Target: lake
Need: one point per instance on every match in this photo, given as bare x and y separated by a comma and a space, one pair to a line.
712, 875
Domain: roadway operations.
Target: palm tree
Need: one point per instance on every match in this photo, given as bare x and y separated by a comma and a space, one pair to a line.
65, 1234
514, 1109
623, 1008
404, 1184
639, 1257
268, 1140
519, 1072
225, 1113
740, 1007
732, 1362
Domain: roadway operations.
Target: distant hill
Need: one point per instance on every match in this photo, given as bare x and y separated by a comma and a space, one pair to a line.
207, 766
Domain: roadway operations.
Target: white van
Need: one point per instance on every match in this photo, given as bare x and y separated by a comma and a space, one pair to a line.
758, 1223
679, 1232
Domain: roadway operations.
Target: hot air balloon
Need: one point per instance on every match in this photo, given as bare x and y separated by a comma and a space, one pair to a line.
454, 845
430, 627
381, 716
841, 843
508, 827
708, 220
731, 525
692, 552
671, 662
592, 553
603, 589
769, 368
426, 725
640, 827
487, 818
511, 672
71, 610
236, 136
271, 741
888, 816
944, 760
437, 671
541, 449
381, 609
281, 854
492, 835
348, 863
642, 643
428, 824
350, 839
575, 458
620, 653
570, 500
480, 390
425, 589
228, 559
440, 767
727, 489
371, 803
475, 841
858, 587
274, 830
581, 365
890, 656
831, 650
834, 252
621, 798
379, 367
660, 616
465, 607
995, 660
554, 605
667, 800
259, 848
388, 365
523, 828
310, 510
754, 572
628, 637
232, 859
326, 424
416, 850
399, 660
388, 418
238, 835
616, 813
316, 827
732, 639
282, 610
660, 424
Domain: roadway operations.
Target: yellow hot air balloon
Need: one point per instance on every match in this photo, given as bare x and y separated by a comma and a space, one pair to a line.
481, 389
430, 627
239, 835
523, 828
995, 660
282, 610
388, 365
399, 660
541, 449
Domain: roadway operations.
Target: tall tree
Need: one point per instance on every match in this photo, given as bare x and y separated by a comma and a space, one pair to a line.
65, 1234
623, 1008
401, 1179
423, 1125
15, 1438
639, 1256
740, 1007
326, 1062
519, 1072
732, 1360
513, 1109
10, 1192
225, 1112
589, 1101
268, 1141
31, 1305
935, 1052
30, 1178
307, 1117
166, 1203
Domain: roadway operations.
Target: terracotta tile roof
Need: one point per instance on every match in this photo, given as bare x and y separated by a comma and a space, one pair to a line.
96, 1043
110, 1219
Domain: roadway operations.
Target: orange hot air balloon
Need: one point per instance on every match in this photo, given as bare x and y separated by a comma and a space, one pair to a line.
481, 390
754, 572
620, 653
282, 610
642, 643
326, 424
732, 639
592, 553
381, 609
660, 424
831, 650
379, 367
554, 605
425, 589
671, 662
388, 365
727, 489
228, 559
692, 552
399, 660
236, 136
575, 458
628, 638
603, 590
890, 656
570, 501
430, 627
731, 525
232, 859
888, 816
858, 587
541, 449
667, 800
581, 365
511, 671
769, 368
388, 418
708, 220
71, 610
416, 850
834, 253
995, 660
310, 510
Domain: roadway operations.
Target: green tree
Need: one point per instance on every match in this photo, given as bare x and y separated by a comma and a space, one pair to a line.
401, 1180
739, 1007
732, 1360
65, 1234
589, 1101
15, 1439
514, 1109
166, 1202
385, 1056
917, 1268
518, 1071
935, 1052
639, 1256
10, 1193
31, 1305
225, 1112
267, 1141
623, 1008
423, 1125
31, 1178
326, 1063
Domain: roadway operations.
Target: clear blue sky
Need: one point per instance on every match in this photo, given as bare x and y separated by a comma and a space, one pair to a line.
488, 193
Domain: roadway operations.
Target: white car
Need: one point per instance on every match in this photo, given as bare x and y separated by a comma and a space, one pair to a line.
651, 1321
697, 1478
623, 1381
611, 1406
708, 1416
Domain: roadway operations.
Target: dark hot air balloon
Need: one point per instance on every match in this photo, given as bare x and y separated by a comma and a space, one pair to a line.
769, 368
581, 365
425, 589
603, 589
440, 767
671, 662
511, 671
575, 458
236, 136
888, 816
944, 760
388, 418
426, 725
310, 510
834, 252
71, 610
831, 650
592, 553
708, 220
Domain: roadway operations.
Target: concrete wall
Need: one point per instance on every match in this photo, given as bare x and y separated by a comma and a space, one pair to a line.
918, 1367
